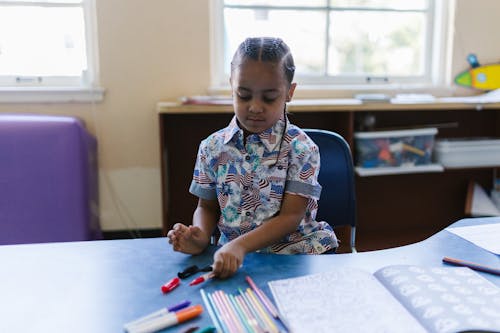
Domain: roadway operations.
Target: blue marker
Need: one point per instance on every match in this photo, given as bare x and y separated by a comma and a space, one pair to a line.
155, 314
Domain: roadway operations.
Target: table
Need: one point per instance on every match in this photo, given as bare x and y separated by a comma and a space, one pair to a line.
97, 286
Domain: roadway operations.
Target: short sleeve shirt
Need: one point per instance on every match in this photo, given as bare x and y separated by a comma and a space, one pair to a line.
249, 178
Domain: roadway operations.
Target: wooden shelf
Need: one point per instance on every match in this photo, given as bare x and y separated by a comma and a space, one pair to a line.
327, 105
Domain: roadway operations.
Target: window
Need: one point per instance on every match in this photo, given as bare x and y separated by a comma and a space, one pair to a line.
46, 44
355, 42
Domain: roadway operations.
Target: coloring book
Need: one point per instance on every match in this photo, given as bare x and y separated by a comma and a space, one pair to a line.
398, 298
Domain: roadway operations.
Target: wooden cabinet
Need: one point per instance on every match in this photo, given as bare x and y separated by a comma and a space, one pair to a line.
393, 210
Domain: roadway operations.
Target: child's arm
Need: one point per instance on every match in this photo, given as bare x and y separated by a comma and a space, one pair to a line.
229, 258
195, 238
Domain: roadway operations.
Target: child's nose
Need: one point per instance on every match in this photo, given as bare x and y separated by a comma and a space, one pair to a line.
256, 107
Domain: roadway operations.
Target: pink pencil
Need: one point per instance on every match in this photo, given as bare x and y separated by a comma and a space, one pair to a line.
228, 309
267, 302
260, 310
226, 316
251, 318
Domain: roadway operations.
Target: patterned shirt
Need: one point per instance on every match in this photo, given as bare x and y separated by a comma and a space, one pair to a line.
249, 179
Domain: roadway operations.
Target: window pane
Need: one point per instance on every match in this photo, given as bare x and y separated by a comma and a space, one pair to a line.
377, 43
46, 1
277, 3
42, 41
306, 40
387, 4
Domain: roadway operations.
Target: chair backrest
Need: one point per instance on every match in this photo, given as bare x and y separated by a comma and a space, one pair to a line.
337, 204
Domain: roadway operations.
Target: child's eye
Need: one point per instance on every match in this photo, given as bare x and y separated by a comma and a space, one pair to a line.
268, 99
244, 97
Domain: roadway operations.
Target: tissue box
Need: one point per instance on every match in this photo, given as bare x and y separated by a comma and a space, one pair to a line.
400, 148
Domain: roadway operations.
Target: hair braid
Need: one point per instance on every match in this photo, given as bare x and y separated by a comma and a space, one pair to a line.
267, 49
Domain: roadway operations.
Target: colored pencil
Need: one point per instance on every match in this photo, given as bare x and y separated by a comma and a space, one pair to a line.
472, 265
211, 311
230, 317
243, 318
245, 312
261, 322
231, 310
251, 318
220, 315
267, 302
260, 309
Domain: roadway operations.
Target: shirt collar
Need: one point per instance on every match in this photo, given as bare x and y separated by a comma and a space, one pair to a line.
270, 137
231, 130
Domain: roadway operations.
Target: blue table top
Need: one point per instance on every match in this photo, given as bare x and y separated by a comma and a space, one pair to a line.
98, 286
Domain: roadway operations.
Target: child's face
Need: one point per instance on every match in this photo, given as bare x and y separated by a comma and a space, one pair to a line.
260, 92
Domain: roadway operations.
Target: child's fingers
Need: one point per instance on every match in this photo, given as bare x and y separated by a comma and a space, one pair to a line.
225, 265
179, 227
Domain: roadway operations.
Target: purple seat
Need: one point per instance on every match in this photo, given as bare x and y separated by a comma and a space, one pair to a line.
48, 180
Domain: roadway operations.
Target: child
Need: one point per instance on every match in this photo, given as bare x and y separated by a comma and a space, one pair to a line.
257, 178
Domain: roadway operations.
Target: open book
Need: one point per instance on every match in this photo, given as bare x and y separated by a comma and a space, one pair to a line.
398, 298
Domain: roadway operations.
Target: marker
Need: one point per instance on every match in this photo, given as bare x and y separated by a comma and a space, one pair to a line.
208, 329
202, 278
171, 285
167, 320
158, 313
472, 265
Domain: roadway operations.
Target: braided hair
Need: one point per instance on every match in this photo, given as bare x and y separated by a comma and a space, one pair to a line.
266, 49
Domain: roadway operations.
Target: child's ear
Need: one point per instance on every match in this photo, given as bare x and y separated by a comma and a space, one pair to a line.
291, 90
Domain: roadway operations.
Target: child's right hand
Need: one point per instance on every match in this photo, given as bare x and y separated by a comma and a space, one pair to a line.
188, 239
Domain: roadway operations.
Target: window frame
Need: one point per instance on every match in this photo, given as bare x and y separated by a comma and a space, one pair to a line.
85, 88
437, 71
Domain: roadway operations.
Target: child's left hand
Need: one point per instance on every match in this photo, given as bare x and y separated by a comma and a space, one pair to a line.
228, 259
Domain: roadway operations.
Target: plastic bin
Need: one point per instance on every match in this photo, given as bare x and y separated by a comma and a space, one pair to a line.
402, 148
469, 152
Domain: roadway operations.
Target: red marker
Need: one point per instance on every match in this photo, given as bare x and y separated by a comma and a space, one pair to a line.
171, 285
202, 278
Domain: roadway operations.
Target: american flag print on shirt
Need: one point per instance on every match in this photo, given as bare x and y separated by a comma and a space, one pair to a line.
249, 178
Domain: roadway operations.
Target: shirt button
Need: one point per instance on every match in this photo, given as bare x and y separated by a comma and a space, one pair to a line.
248, 213
245, 188
247, 158
280, 167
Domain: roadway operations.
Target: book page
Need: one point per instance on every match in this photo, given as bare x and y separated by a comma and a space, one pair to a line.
483, 235
343, 300
445, 299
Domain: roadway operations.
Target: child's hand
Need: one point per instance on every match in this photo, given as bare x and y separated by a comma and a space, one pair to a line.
188, 239
228, 259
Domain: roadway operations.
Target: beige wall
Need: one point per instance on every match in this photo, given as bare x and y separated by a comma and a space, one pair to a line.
158, 50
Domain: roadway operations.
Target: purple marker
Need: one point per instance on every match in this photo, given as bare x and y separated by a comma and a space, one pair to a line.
142, 320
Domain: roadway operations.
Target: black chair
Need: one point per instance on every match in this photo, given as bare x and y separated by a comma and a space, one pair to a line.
337, 204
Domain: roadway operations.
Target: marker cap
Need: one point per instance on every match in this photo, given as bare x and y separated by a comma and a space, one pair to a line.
179, 306
171, 285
